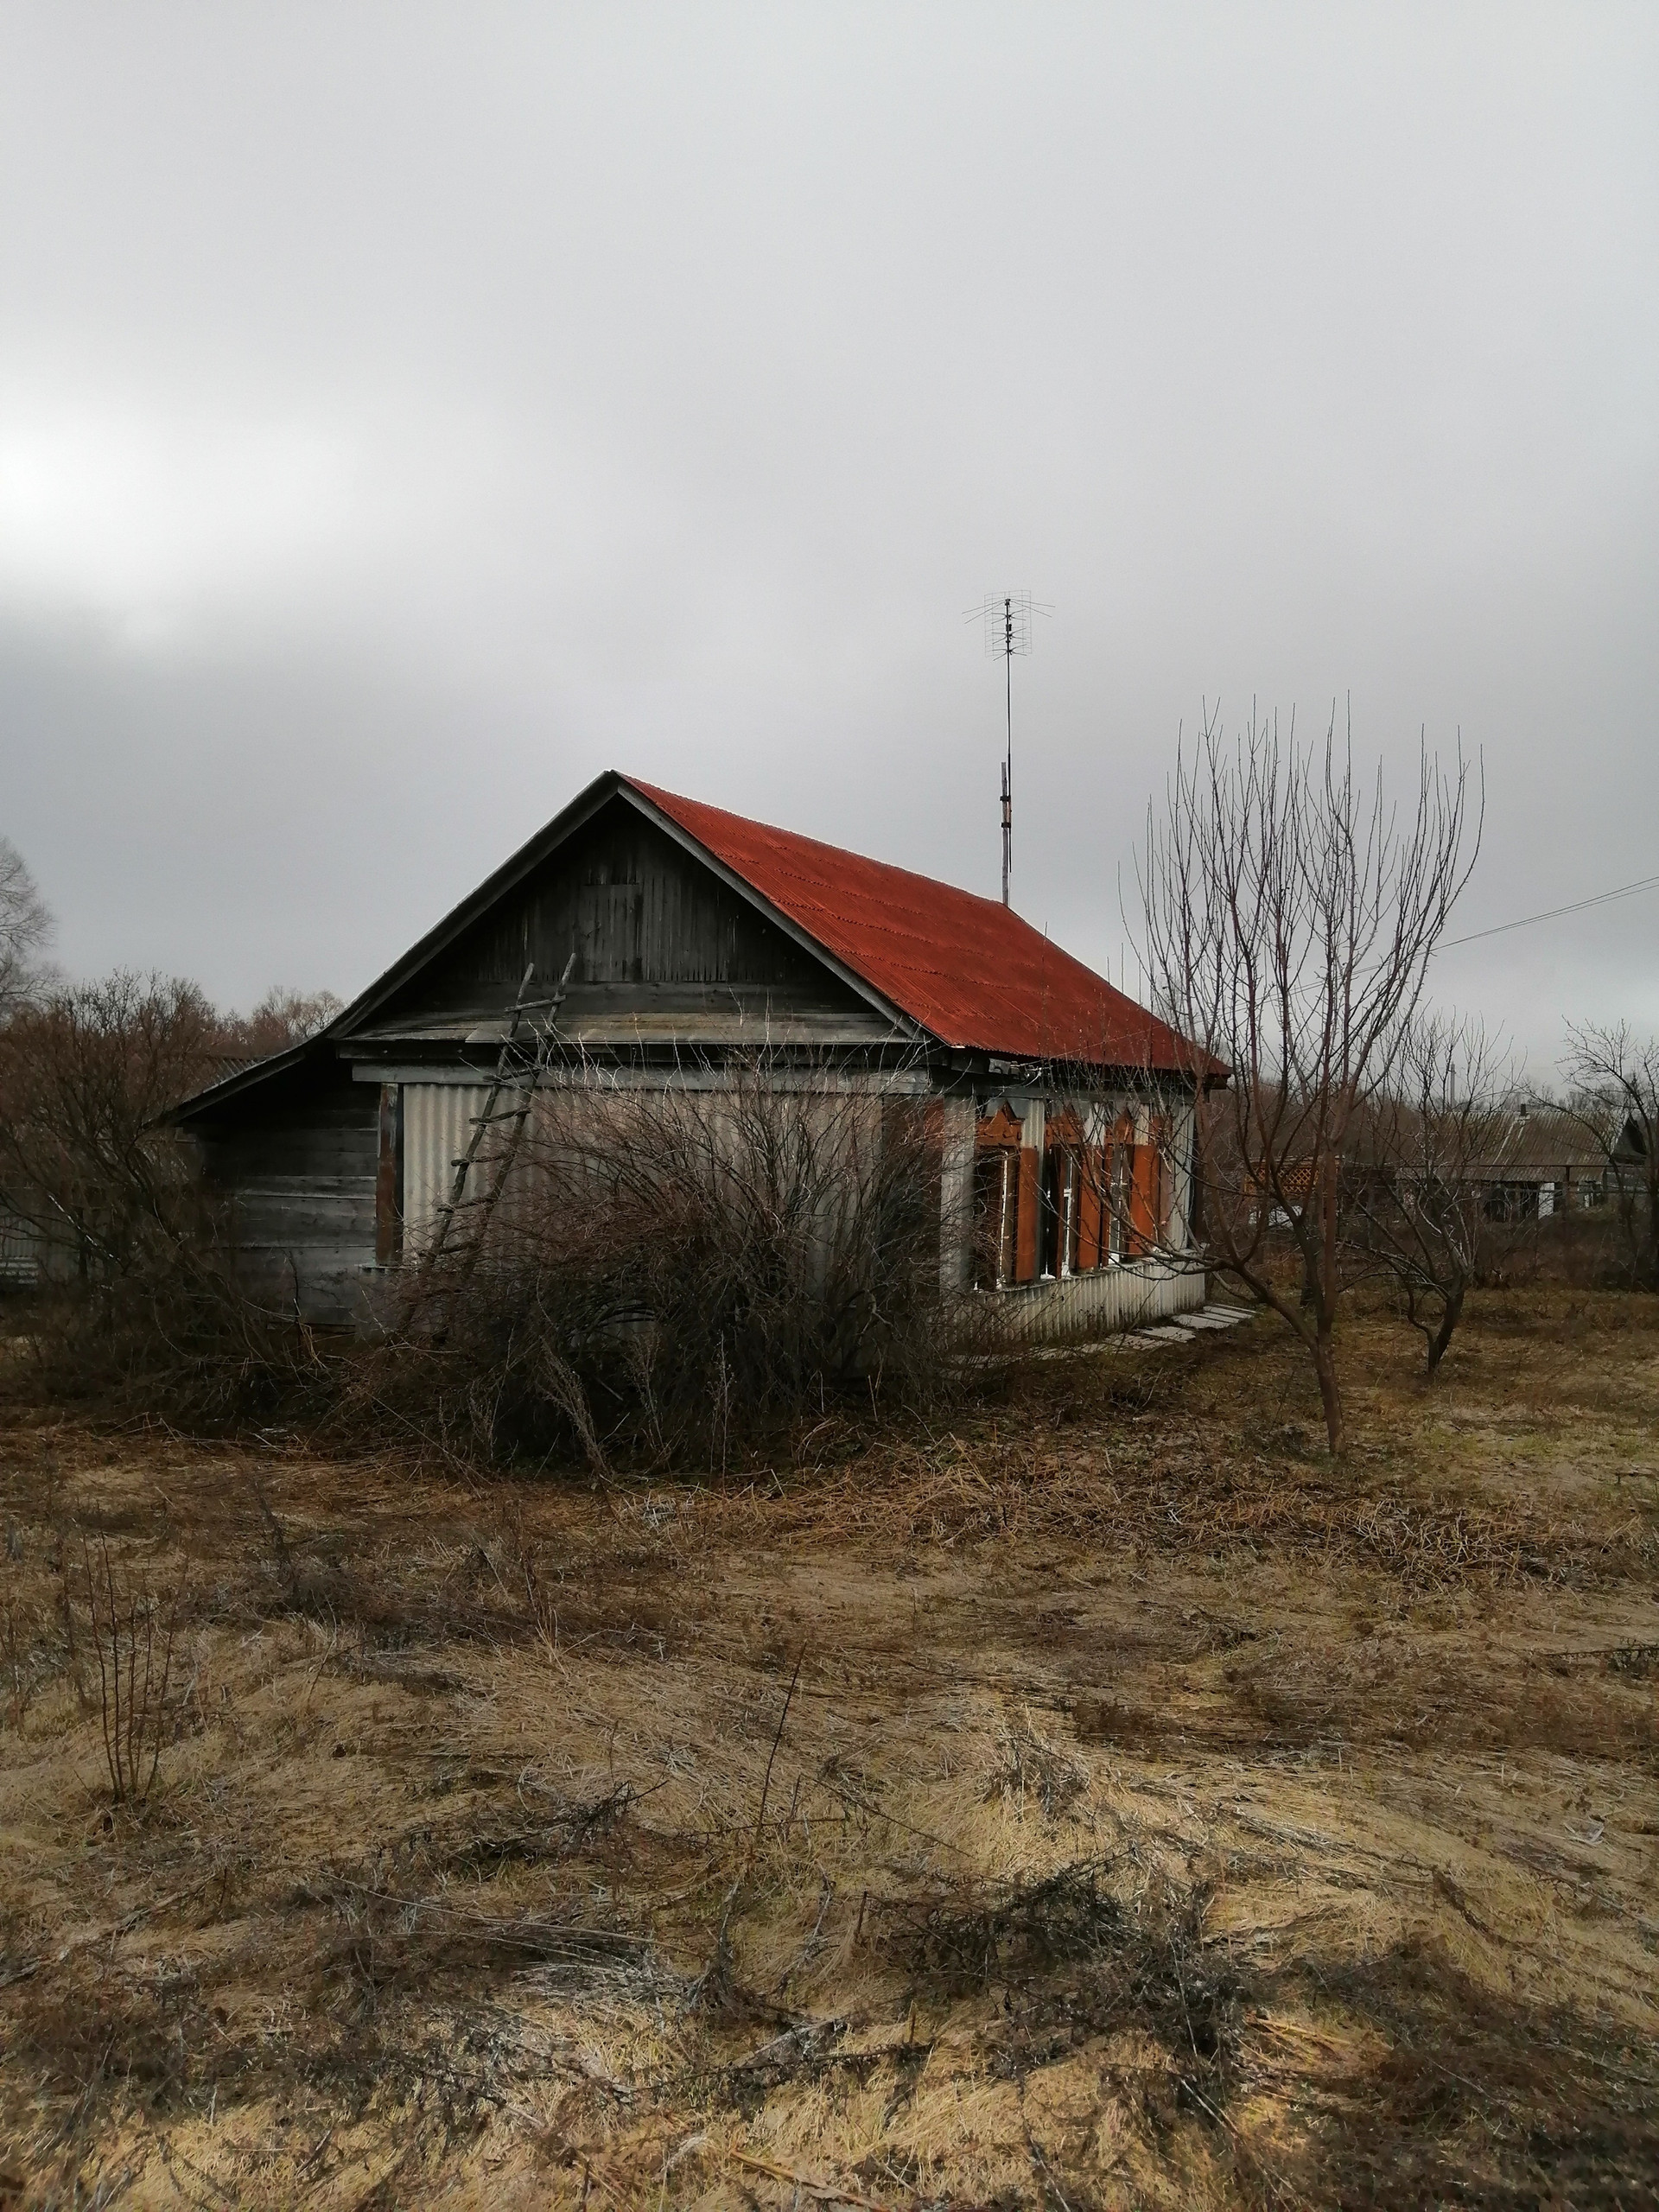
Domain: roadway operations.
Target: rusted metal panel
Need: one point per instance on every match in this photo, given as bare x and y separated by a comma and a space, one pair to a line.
968, 970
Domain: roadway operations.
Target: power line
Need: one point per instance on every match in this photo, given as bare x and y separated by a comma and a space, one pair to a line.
1554, 913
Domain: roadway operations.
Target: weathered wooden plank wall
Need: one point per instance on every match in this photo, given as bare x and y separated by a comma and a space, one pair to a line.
300, 1185
644, 919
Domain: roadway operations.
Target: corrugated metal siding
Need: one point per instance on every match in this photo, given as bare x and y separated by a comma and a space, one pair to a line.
438, 1118
1097, 1304
437, 1129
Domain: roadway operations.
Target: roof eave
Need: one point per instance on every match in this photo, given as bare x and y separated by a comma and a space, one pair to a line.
232, 1086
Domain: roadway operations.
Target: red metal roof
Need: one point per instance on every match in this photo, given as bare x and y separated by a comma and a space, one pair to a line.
968, 970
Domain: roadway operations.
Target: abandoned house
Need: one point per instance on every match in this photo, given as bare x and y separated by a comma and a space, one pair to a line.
1545, 1161
1061, 1110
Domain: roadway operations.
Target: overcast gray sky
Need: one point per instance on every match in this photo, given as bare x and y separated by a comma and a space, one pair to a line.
407, 412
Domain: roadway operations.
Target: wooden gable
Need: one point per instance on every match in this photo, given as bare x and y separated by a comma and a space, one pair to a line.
654, 930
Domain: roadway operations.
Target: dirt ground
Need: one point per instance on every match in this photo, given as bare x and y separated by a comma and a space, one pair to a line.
1103, 1803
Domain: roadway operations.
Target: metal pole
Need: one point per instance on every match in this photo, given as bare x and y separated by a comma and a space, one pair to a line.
1007, 764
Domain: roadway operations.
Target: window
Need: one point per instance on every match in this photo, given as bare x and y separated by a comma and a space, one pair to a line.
997, 1190
1060, 1216
1122, 1183
997, 1183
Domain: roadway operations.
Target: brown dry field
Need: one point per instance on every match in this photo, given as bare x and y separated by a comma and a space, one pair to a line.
1161, 1816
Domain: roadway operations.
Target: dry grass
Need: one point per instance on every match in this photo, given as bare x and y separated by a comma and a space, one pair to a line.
1160, 1817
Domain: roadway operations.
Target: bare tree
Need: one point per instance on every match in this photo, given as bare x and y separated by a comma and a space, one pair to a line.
284, 1017
1416, 1185
84, 1075
25, 929
86, 1071
1289, 920
1614, 1098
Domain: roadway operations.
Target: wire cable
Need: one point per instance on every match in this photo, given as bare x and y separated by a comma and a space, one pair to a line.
1552, 913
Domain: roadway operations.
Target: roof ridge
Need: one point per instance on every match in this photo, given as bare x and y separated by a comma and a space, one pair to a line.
661, 797
970, 971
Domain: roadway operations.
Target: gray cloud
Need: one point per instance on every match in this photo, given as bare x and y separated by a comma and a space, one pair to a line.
405, 414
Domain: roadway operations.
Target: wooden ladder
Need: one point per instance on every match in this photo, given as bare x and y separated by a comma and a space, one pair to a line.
515, 1075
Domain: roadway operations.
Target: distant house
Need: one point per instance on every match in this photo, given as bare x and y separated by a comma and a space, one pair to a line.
19, 1246
1062, 1109
1543, 1162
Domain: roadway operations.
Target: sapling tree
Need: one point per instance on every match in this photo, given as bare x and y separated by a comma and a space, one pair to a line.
1290, 914
1417, 1179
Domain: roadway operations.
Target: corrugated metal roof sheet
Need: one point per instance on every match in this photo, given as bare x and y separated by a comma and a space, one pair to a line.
968, 970
1545, 1141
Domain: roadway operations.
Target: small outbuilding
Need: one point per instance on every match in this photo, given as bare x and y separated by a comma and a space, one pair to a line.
689, 938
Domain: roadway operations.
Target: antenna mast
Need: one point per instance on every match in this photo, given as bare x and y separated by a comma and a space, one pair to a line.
1007, 623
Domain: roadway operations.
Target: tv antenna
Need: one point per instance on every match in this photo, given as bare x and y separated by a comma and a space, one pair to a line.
1007, 621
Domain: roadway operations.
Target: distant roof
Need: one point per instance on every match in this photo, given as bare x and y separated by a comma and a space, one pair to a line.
1544, 1139
968, 970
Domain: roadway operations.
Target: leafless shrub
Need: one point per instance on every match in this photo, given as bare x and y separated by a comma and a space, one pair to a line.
1145, 1966
138, 1283
133, 1631
1290, 919
673, 1274
84, 1075
1418, 1175
1614, 1099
